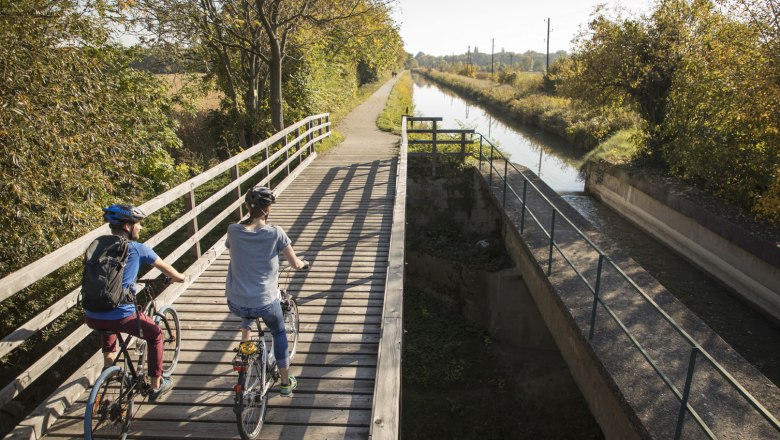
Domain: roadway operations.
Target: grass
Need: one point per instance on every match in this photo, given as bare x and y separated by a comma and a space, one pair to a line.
399, 103
620, 148
524, 99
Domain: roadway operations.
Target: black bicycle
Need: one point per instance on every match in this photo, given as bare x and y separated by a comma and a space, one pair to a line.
111, 404
257, 368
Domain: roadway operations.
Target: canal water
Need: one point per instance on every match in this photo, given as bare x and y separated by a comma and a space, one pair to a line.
748, 331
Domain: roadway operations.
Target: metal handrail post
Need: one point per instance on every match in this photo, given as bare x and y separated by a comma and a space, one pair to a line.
506, 161
490, 181
552, 241
433, 161
595, 297
522, 212
686, 393
480, 151
463, 147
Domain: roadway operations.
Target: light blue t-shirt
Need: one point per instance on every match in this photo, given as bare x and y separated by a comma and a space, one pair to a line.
252, 278
137, 253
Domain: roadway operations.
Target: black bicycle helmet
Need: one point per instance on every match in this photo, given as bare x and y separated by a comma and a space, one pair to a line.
119, 214
259, 196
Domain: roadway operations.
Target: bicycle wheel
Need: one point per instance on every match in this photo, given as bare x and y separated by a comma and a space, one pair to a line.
254, 400
110, 405
291, 326
168, 320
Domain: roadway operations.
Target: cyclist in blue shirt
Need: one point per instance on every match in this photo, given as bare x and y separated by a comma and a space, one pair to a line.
125, 221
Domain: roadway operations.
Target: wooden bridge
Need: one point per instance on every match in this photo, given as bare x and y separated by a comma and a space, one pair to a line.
343, 210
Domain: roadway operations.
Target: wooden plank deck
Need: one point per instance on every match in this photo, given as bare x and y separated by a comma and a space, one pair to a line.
338, 213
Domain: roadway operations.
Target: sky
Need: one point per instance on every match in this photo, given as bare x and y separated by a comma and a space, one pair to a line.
447, 27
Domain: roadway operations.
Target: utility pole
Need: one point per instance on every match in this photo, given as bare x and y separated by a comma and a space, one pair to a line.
492, 49
547, 61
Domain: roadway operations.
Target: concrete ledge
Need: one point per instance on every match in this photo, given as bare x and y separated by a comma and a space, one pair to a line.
746, 262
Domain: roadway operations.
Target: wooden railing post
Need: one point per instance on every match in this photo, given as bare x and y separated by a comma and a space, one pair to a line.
192, 226
235, 173
287, 153
309, 126
265, 157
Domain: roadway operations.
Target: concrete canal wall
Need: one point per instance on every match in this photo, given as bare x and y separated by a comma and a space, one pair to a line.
683, 220
624, 392
625, 395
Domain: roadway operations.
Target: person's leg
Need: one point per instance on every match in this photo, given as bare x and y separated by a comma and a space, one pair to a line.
154, 346
107, 340
274, 319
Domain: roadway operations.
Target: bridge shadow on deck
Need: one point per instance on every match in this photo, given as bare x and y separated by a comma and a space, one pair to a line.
343, 178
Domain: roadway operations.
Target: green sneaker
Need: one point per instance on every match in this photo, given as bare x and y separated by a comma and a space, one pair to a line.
287, 390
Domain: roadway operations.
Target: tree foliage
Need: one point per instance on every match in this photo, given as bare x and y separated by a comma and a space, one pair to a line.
257, 48
528, 61
633, 62
705, 80
723, 115
78, 127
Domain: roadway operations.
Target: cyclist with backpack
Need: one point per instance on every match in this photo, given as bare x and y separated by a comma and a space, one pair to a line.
252, 284
111, 265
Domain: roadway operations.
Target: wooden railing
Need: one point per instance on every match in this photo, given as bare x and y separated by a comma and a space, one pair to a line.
386, 408
438, 137
288, 152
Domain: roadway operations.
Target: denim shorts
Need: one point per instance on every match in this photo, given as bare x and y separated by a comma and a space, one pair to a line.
274, 319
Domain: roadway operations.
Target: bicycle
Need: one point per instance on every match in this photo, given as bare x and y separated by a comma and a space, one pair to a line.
257, 368
111, 404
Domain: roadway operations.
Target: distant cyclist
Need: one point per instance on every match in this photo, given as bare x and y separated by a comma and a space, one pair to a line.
252, 281
125, 221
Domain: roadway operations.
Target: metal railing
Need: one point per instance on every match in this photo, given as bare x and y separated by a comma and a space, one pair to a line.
494, 161
280, 157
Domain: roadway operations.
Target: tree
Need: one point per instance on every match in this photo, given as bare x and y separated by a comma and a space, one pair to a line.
249, 42
633, 62
723, 123
79, 128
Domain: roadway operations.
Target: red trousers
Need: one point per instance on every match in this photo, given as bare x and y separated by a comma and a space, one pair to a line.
129, 325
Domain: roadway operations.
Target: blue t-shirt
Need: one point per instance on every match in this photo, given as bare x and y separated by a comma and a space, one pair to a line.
252, 279
137, 253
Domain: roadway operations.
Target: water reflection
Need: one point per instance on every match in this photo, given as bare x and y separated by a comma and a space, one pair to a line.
549, 156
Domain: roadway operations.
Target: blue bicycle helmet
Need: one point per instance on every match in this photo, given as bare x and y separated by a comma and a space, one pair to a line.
119, 214
260, 196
